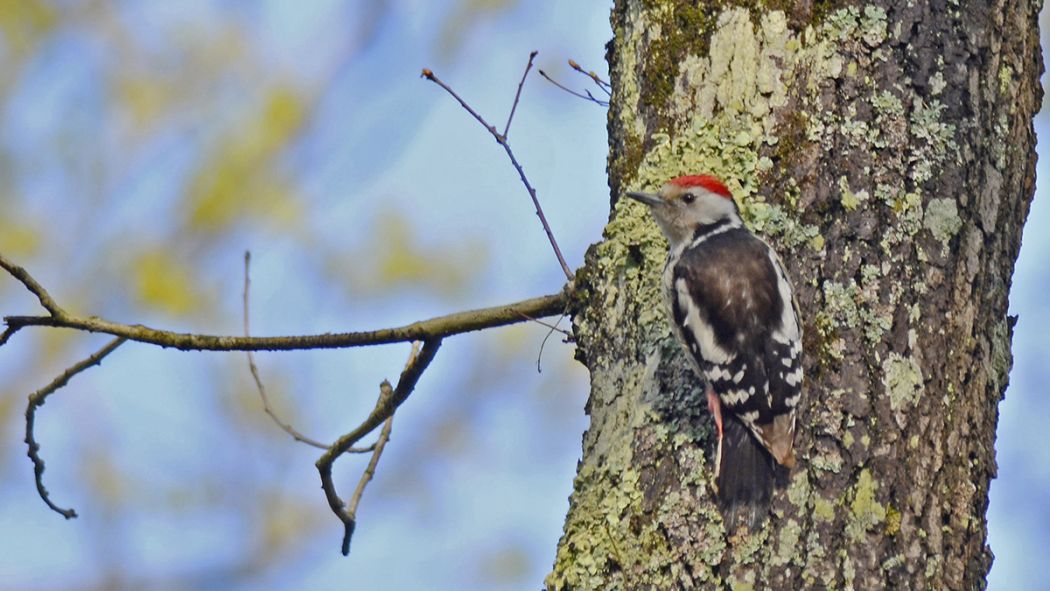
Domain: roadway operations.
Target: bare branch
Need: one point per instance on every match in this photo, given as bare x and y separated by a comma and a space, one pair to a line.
502, 141
602, 84
586, 97
286, 427
37, 399
517, 95
8, 333
370, 470
35, 288
423, 330
388, 402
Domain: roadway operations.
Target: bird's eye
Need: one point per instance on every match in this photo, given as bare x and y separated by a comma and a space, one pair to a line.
688, 198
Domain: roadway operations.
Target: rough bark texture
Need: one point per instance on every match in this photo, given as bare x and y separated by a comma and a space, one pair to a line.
887, 151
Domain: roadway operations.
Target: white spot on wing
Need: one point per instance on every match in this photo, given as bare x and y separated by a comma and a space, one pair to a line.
734, 397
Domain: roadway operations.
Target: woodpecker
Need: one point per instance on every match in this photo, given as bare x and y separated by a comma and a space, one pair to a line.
733, 311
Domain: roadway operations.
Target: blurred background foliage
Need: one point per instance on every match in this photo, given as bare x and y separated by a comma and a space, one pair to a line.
146, 145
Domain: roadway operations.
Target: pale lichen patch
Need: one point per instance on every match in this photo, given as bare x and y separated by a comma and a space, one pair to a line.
873, 25
903, 380
865, 510
942, 219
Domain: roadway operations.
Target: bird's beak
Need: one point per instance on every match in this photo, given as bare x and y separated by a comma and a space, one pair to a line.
651, 199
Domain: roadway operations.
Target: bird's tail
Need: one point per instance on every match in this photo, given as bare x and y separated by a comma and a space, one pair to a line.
746, 476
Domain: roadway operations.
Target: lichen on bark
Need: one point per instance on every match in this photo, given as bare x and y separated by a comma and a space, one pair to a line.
866, 144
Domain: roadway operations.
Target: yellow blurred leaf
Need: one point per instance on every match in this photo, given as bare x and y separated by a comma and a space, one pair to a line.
145, 99
164, 282
465, 17
104, 478
241, 179
284, 521
402, 261
18, 240
24, 22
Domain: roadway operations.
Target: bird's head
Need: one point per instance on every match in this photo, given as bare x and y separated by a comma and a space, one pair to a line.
687, 204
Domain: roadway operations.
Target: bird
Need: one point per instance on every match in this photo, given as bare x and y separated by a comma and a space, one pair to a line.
732, 308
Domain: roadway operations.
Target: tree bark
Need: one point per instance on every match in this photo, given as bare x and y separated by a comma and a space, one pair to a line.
886, 150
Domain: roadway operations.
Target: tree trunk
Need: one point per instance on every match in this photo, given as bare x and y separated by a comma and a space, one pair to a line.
886, 150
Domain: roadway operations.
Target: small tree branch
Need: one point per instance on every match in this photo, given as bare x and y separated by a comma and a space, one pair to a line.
380, 444
7, 334
370, 470
388, 402
423, 330
286, 427
587, 97
602, 84
35, 288
517, 95
37, 399
502, 141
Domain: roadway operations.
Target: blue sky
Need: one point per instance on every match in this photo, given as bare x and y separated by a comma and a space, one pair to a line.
473, 488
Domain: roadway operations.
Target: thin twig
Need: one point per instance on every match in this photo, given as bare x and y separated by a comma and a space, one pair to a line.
602, 84
388, 402
423, 330
287, 427
553, 327
543, 343
35, 288
517, 95
370, 470
502, 141
384, 437
586, 97
37, 399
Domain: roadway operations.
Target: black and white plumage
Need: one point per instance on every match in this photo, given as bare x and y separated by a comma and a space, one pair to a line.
733, 310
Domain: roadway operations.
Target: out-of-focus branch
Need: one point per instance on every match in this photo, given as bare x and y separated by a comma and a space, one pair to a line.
501, 139
37, 399
389, 400
286, 427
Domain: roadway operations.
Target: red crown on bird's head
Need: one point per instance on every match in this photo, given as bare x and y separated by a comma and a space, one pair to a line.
711, 183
